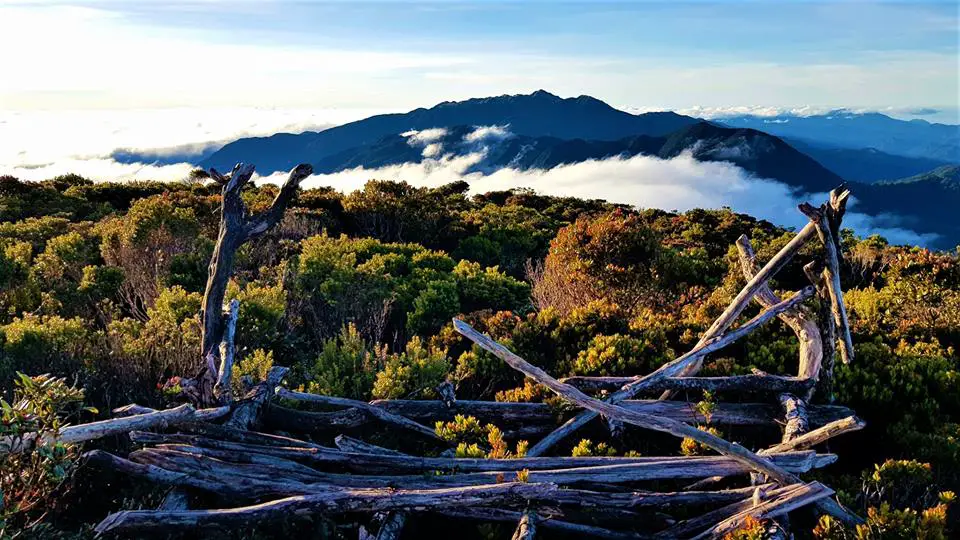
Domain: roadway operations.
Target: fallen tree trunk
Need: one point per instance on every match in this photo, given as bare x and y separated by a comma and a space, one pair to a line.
199, 460
369, 463
105, 428
349, 444
817, 436
741, 383
690, 527
774, 507
739, 414
333, 502
286, 419
737, 452
679, 367
376, 412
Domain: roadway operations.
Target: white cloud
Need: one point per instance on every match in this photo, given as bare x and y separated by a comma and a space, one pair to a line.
424, 136
40, 137
484, 134
100, 169
681, 183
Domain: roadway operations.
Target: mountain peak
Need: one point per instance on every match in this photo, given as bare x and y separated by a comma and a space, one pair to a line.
544, 94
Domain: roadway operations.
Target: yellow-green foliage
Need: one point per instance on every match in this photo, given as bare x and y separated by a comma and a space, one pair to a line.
586, 448
751, 529
690, 447
608, 355
415, 371
250, 370
467, 433
346, 366
887, 523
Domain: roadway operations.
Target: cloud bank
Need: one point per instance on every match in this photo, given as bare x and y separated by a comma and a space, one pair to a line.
681, 183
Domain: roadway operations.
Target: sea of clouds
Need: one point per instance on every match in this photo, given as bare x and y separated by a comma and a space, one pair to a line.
42, 146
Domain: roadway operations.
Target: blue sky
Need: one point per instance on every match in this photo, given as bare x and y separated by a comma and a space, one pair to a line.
399, 55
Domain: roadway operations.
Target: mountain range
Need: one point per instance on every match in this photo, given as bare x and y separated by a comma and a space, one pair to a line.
542, 131
540, 114
846, 129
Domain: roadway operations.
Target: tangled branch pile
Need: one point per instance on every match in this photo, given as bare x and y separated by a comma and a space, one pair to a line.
240, 450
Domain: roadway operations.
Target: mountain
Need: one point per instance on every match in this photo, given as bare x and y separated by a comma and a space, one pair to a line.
540, 114
844, 129
925, 203
866, 165
761, 154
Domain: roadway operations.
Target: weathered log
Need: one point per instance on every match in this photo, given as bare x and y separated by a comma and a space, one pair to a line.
286, 419
200, 415
775, 506
222, 390
746, 383
333, 502
678, 367
252, 481
236, 228
802, 442
679, 429
265, 463
103, 428
828, 330
796, 417
755, 495
671, 466
107, 461
817, 436
832, 273
244, 436
739, 414
499, 412
576, 529
176, 499
759, 279
798, 319
187, 459
527, 526
376, 412
247, 413
349, 444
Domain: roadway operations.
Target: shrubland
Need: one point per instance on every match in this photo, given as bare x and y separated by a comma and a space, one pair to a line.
101, 285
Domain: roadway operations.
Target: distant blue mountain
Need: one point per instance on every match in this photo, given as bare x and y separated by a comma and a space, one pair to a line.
867, 165
844, 129
540, 114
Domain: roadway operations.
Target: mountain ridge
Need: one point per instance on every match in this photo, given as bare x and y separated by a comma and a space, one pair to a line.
537, 114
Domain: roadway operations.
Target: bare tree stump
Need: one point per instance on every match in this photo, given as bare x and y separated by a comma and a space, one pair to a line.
236, 228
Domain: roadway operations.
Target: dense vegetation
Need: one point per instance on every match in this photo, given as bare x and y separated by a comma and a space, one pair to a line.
101, 284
